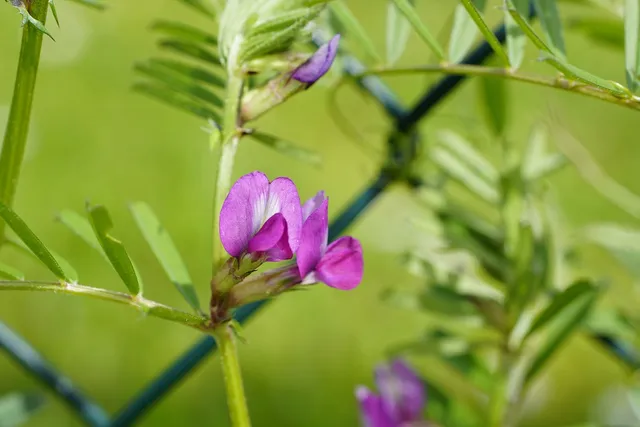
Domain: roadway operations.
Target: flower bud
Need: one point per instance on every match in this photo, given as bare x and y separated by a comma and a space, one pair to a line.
258, 101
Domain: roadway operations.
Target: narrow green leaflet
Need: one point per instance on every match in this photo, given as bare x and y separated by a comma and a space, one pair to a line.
287, 148
632, 42
17, 408
463, 32
34, 244
465, 151
10, 273
178, 100
353, 29
95, 4
547, 11
406, 8
191, 50
118, 256
398, 30
165, 251
582, 76
81, 227
536, 163
493, 102
560, 328
561, 302
184, 32
189, 71
524, 25
460, 172
516, 38
200, 6
180, 83
444, 376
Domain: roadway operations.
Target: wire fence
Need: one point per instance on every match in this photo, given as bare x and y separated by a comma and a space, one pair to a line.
400, 155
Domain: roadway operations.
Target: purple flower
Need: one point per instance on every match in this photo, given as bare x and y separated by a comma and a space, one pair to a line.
319, 63
340, 264
401, 400
261, 218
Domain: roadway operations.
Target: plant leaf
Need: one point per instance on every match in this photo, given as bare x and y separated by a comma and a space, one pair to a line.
524, 25
547, 12
537, 164
559, 303
493, 97
10, 273
516, 39
561, 327
632, 43
95, 4
81, 227
406, 8
463, 32
200, 6
180, 84
582, 76
398, 29
185, 32
189, 49
350, 23
190, 72
113, 248
287, 148
165, 251
471, 157
34, 243
17, 408
176, 99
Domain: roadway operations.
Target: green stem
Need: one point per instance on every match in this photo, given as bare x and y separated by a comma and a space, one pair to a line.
560, 83
236, 400
138, 302
231, 134
15, 137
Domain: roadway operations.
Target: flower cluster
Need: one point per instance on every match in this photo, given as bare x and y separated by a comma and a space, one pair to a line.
401, 399
264, 221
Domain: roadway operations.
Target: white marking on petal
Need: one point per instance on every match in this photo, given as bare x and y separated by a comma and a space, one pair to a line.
257, 219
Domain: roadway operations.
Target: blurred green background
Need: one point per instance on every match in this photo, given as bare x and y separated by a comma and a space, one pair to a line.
93, 139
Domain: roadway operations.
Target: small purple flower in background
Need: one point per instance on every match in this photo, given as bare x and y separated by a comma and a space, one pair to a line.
319, 63
340, 264
400, 401
261, 218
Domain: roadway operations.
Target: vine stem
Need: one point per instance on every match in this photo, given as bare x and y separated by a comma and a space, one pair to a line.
559, 83
15, 137
138, 302
232, 374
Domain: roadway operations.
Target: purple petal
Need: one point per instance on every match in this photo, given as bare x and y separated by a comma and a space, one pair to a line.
272, 240
342, 265
237, 213
284, 194
372, 410
312, 204
319, 63
402, 392
313, 240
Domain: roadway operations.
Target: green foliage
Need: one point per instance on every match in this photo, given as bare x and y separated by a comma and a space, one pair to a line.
113, 248
165, 251
17, 408
35, 245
